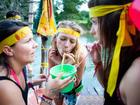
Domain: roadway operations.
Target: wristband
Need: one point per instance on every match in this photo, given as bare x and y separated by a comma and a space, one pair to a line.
46, 99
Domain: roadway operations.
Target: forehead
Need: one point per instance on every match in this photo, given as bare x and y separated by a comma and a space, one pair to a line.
67, 36
28, 36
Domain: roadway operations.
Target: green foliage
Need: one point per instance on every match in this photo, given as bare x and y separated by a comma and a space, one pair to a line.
37, 16
21, 6
71, 12
68, 12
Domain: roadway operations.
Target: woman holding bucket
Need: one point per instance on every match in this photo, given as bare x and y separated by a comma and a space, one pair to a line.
65, 44
113, 23
17, 48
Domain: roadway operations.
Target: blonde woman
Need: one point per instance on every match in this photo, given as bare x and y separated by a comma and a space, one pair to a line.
66, 43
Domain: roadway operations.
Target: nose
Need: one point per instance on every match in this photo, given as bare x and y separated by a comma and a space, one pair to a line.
35, 45
67, 44
92, 30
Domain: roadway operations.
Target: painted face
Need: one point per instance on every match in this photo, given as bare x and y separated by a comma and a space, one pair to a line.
65, 43
24, 50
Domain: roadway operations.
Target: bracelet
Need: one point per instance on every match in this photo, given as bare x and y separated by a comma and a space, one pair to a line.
46, 99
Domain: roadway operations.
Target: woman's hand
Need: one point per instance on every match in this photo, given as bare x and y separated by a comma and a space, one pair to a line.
54, 56
55, 85
95, 52
69, 58
58, 83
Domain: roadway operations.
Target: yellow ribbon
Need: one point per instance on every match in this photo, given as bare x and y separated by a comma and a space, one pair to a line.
123, 39
69, 31
17, 17
44, 64
15, 37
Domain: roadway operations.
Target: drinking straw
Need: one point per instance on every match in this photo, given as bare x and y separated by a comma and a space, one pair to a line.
62, 63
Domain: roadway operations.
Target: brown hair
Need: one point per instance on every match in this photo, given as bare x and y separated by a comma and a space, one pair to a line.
108, 27
7, 28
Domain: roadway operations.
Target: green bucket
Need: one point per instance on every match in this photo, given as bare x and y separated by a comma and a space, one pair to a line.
68, 70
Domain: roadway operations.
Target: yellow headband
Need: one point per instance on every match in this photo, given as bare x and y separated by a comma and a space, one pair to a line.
17, 17
123, 39
69, 31
15, 37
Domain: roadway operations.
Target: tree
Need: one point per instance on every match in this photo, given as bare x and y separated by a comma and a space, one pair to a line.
69, 10
21, 6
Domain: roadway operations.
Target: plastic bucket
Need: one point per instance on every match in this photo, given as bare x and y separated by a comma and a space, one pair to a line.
68, 70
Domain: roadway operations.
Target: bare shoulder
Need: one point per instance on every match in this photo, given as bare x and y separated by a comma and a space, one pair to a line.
7, 87
9, 92
131, 83
135, 67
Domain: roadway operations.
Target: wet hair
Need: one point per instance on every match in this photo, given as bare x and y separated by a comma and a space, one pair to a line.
7, 28
12, 14
108, 27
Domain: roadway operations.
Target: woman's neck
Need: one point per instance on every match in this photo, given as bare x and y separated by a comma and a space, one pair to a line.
3, 71
17, 67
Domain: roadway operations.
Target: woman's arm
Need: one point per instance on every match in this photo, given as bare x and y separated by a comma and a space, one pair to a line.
95, 52
53, 87
81, 68
10, 94
99, 73
130, 84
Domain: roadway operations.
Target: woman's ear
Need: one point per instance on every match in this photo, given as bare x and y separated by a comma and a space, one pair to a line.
8, 50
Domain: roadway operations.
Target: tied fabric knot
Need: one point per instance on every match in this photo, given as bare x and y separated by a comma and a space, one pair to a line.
126, 28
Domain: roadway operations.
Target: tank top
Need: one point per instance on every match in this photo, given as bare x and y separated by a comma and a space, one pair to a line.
25, 91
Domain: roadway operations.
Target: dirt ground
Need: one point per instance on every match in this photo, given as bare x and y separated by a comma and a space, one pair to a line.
90, 100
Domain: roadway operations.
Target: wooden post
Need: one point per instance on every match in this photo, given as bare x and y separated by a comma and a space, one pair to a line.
32, 10
30, 15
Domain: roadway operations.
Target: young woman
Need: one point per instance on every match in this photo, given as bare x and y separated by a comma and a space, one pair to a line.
120, 40
65, 43
17, 48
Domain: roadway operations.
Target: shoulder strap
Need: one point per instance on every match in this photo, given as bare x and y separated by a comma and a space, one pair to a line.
24, 92
6, 78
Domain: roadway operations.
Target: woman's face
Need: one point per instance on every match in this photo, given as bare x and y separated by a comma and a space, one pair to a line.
24, 50
95, 28
65, 43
